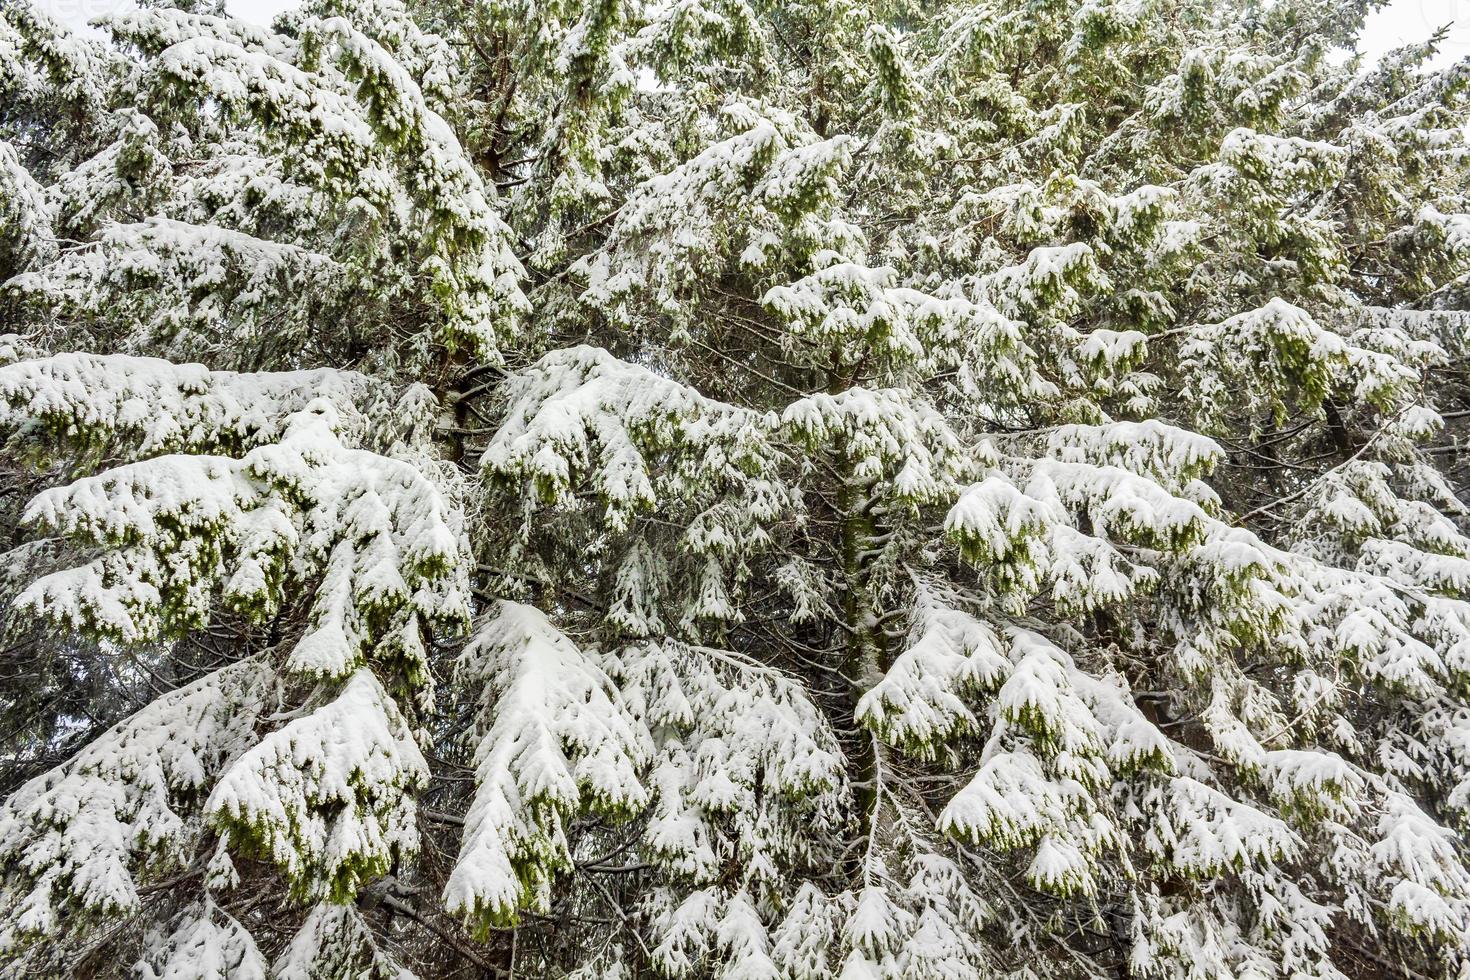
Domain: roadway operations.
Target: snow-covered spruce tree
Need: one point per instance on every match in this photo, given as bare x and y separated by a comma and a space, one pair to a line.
800, 489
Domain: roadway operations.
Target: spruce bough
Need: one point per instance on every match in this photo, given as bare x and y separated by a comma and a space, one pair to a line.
800, 489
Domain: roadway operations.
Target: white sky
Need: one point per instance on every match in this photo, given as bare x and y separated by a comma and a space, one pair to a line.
1400, 22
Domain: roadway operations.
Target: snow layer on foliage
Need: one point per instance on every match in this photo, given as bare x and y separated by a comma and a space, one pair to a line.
580, 413
1106, 687
328, 795
1284, 160
1060, 738
186, 277
334, 942
887, 435
581, 420
1203, 832
331, 125
164, 407
79, 834
160, 29
1050, 279
1428, 885
853, 311
26, 209
1010, 799
921, 700
1119, 503
179, 529
388, 543
770, 172
72, 66
1024, 532
1164, 453
750, 156
745, 767
556, 738
351, 116
207, 945
93, 192
1280, 345
486, 281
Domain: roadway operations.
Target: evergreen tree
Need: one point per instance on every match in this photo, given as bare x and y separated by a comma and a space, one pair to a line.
847, 489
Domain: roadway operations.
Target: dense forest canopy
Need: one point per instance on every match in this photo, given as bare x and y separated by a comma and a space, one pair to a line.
733, 488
